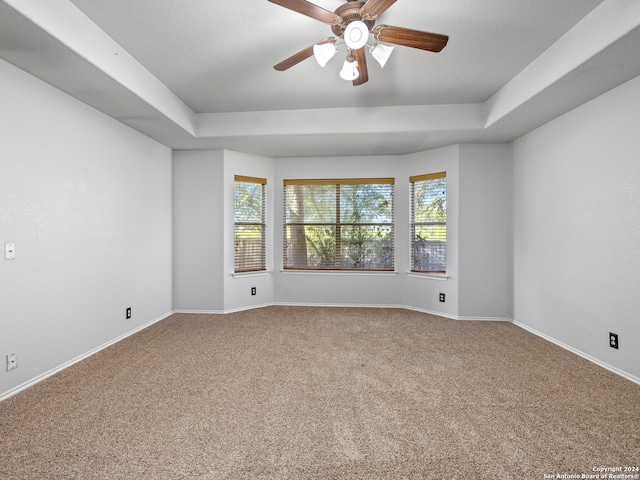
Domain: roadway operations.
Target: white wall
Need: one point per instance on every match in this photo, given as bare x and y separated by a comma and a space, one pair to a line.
237, 288
577, 227
198, 230
203, 202
338, 288
485, 255
87, 201
422, 291
491, 237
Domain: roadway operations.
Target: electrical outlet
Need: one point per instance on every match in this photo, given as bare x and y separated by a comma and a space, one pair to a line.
253, 290
128, 314
441, 297
613, 340
12, 361
9, 251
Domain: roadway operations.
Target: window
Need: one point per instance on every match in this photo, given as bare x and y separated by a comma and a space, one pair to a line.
342, 224
429, 222
249, 221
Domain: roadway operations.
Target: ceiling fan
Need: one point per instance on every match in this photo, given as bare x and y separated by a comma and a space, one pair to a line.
353, 22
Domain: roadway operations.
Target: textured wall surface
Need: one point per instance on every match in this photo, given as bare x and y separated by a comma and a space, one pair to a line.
577, 205
87, 202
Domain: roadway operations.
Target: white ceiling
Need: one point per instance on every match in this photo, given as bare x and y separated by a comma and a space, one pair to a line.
199, 73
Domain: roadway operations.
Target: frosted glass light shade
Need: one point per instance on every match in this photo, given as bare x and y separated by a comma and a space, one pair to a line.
381, 53
356, 35
324, 52
349, 71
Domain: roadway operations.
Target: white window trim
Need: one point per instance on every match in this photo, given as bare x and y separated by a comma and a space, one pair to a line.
257, 273
443, 277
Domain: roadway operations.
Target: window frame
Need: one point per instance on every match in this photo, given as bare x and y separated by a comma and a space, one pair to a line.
262, 263
413, 223
339, 225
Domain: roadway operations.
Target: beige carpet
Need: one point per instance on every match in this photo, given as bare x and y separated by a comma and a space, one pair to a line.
323, 393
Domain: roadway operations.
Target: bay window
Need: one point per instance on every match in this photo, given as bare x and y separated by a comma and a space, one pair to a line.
343, 224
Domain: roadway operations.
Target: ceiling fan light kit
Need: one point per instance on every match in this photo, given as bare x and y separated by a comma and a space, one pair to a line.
324, 52
349, 70
354, 23
381, 53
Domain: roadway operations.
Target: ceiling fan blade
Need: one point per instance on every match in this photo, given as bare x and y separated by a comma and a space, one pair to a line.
294, 59
310, 10
373, 8
433, 42
361, 59
301, 55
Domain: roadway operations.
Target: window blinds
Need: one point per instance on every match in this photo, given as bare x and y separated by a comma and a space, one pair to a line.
249, 221
339, 224
429, 222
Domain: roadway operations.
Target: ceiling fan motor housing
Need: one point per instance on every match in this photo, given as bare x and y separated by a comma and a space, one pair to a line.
350, 12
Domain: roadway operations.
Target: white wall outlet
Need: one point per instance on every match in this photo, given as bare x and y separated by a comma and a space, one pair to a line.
12, 361
9, 251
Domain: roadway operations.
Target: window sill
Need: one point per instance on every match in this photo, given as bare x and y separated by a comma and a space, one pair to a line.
341, 273
258, 273
442, 277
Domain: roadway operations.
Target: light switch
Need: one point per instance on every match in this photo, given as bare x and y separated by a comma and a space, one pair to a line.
9, 251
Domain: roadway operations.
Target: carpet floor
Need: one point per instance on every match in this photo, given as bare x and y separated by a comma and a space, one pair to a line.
324, 393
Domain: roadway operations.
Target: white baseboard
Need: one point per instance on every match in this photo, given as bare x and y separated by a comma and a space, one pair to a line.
346, 305
485, 319
200, 312
332, 305
44, 376
457, 317
284, 304
430, 312
222, 312
586, 356
405, 307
